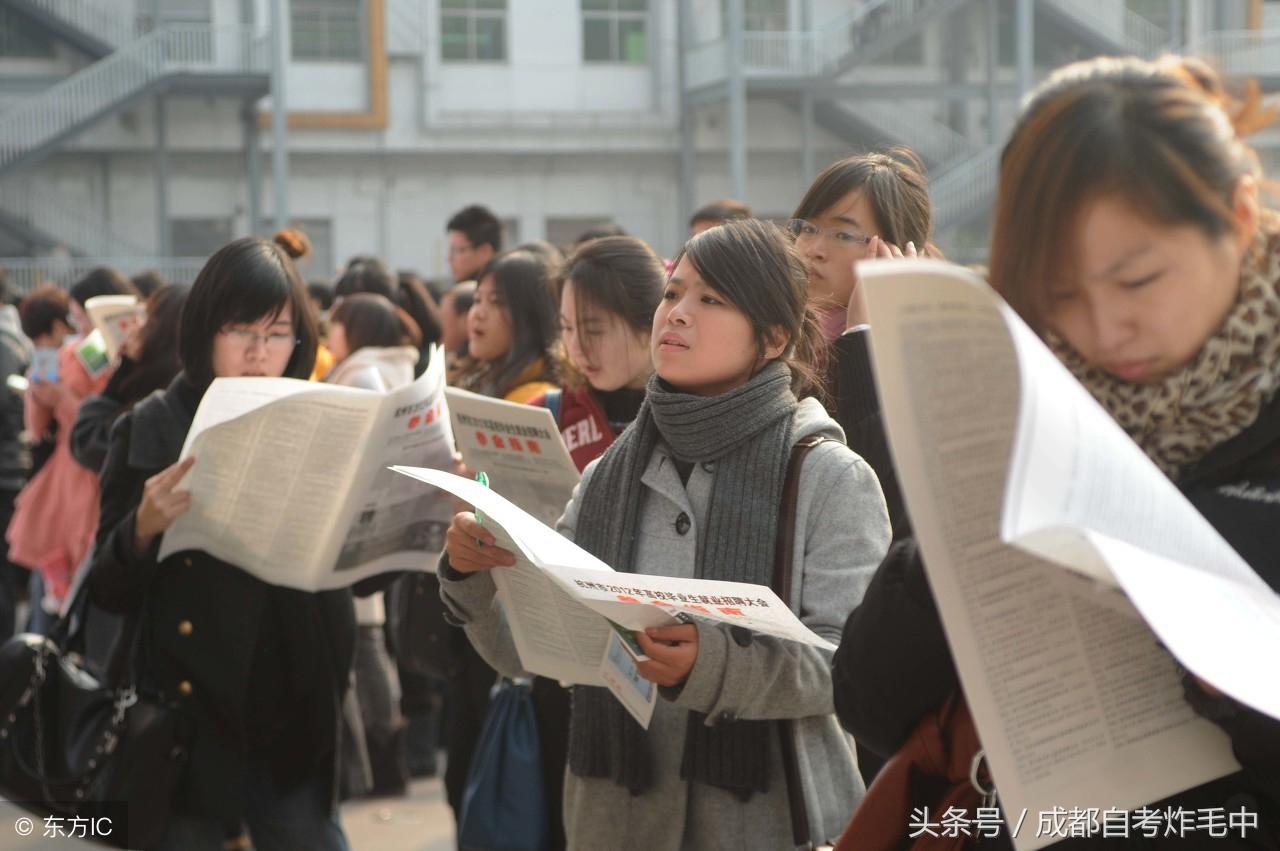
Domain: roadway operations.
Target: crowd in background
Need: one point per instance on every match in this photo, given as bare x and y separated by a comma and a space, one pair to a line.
1130, 232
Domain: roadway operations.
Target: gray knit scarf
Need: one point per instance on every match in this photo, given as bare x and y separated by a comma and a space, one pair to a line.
747, 432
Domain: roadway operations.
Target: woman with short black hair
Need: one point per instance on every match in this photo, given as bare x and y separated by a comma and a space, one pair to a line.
258, 671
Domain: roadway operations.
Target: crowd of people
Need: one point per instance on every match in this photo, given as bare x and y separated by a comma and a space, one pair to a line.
1130, 232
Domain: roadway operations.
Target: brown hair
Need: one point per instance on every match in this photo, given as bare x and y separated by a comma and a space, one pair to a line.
617, 274
294, 242
41, 308
369, 319
1152, 133
893, 182
726, 210
754, 265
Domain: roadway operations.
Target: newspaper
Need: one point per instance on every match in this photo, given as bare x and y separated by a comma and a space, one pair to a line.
1012, 472
559, 599
518, 447
114, 316
291, 481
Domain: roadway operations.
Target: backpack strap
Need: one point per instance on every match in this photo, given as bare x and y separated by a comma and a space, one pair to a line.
551, 401
782, 571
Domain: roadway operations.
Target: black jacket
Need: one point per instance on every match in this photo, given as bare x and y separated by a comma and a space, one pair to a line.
894, 664
259, 670
91, 434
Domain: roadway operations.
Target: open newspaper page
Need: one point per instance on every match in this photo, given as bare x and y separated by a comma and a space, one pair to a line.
390, 522
559, 599
518, 447
1075, 701
1082, 493
114, 316
275, 460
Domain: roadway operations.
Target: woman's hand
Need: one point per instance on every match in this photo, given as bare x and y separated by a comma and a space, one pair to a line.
161, 504
877, 249
672, 650
471, 548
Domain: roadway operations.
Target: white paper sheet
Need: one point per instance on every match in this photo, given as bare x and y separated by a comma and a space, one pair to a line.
1075, 700
558, 596
518, 447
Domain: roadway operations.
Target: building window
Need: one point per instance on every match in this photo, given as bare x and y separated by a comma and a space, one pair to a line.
473, 30
759, 16
198, 237
327, 30
21, 39
319, 263
615, 31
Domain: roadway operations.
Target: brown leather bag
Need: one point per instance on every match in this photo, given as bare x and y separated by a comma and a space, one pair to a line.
940, 752
782, 570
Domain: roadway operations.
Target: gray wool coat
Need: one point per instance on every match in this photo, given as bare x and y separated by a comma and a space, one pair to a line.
842, 535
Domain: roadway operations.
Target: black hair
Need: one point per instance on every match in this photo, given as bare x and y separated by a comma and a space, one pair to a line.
102, 280
322, 292
754, 265
415, 299
895, 187
366, 274
159, 361
618, 274
479, 225
146, 283
523, 281
245, 281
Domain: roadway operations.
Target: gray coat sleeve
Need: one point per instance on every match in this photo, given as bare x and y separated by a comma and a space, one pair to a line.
846, 533
470, 598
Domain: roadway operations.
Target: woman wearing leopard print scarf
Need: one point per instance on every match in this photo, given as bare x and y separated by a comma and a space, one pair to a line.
1129, 234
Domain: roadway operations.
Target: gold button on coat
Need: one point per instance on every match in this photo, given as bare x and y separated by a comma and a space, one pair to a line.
185, 689
185, 628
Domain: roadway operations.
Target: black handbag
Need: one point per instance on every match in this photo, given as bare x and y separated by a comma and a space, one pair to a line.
73, 745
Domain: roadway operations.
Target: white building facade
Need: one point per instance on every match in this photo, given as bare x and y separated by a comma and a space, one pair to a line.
139, 130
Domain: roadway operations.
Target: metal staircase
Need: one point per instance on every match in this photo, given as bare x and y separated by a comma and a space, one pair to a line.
43, 222
35, 127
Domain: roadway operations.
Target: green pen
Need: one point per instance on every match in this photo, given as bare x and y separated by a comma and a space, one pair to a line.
483, 480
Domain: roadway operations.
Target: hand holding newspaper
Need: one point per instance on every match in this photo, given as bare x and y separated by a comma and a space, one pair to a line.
1012, 472
560, 600
291, 481
114, 317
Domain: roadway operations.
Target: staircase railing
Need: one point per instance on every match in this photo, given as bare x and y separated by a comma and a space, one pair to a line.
99, 19
965, 189
25, 273
84, 97
61, 222
1118, 23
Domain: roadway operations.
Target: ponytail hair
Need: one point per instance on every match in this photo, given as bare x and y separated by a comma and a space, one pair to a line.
755, 266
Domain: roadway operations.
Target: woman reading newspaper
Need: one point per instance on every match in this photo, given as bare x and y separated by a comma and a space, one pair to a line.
693, 488
609, 290
258, 670
1130, 236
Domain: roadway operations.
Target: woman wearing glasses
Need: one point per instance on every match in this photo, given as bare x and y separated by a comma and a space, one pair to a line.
860, 208
258, 670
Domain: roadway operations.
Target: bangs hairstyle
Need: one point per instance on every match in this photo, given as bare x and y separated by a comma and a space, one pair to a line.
369, 319
244, 282
893, 182
1149, 134
620, 275
754, 265
523, 282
